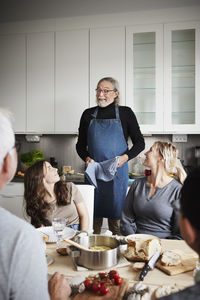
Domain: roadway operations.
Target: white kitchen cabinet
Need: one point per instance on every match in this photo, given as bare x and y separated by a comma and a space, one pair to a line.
40, 82
107, 58
162, 72
144, 75
13, 78
71, 79
11, 199
182, 77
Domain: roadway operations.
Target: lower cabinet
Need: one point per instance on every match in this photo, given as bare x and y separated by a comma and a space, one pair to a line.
11, 199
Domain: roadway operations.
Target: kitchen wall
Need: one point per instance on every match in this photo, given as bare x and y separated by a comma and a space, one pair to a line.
63, 148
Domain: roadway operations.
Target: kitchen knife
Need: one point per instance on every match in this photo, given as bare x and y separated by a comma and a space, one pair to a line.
150, 265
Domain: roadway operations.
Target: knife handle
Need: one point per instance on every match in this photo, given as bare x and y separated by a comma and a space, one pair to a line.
144, 272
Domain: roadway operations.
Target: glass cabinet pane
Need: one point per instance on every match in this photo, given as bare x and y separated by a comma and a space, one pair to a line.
183, 76
144, 77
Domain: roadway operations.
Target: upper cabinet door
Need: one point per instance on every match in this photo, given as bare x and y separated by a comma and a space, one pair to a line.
107, 58
144, 75
40, 82
182, 77
72, 79
13, 78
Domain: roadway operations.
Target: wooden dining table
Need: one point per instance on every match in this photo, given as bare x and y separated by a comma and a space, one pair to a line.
154, 278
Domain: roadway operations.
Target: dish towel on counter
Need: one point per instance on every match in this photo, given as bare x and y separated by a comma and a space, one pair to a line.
105, 170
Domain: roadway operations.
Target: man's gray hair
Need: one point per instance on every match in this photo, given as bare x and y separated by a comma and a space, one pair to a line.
7, 138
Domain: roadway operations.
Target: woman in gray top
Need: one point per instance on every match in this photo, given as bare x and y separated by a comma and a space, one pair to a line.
151, 204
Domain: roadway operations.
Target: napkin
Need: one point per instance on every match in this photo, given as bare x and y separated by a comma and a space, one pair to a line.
105, 170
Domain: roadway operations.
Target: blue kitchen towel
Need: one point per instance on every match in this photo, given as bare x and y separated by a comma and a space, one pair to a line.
104, 170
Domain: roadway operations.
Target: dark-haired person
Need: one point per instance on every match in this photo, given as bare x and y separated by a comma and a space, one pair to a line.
23, 271
103, 135
190, 229
47, 197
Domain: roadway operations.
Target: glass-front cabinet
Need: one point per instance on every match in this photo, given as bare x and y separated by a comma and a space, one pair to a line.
144, 75
182, 77
163, 76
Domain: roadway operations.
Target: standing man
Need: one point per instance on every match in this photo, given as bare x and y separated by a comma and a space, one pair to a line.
103, 134
23, 267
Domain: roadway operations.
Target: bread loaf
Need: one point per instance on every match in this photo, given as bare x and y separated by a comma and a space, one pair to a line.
142, 250
165, 290
170, 258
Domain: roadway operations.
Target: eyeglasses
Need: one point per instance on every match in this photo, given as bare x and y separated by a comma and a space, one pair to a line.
104, 91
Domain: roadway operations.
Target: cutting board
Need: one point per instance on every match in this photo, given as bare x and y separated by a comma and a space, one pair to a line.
116, 292
188, 263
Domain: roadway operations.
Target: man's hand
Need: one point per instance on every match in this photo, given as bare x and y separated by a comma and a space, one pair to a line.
59, 288
122, 159
88, 160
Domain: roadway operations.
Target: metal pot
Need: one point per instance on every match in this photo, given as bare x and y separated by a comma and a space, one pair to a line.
96, 259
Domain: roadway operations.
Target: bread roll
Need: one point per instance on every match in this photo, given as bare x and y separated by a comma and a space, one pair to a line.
166, 290
142, 250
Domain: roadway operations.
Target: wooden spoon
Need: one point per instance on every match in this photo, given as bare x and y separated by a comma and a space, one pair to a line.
77, 245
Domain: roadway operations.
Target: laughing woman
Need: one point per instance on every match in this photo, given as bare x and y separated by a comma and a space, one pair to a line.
151, 206
46, 197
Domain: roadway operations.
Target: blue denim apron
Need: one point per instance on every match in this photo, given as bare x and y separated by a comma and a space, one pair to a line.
106, 141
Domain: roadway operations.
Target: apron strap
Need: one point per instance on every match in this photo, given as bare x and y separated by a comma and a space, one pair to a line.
95, 113
117, 112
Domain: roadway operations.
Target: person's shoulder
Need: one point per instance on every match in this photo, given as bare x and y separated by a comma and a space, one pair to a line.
13, 225
139, 182
89, 111
125, 109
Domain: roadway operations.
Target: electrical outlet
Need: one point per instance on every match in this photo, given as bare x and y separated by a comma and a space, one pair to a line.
179, 138
32, 138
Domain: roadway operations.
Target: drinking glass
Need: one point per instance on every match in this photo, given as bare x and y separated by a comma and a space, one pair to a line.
58, 227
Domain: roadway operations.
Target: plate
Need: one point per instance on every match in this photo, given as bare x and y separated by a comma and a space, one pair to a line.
137, 236
68, 233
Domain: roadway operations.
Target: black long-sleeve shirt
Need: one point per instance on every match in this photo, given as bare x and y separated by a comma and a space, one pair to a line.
129, 125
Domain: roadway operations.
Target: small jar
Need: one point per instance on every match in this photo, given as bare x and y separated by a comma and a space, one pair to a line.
196, 272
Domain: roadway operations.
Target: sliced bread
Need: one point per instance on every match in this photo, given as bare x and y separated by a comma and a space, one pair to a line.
138, 266
170, 258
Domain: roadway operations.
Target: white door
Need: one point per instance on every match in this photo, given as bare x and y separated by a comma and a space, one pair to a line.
107, 58
13, 78
144, 75
182, 77
40, 82
71, 79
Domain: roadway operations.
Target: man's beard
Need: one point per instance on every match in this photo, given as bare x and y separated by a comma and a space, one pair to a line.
103, 103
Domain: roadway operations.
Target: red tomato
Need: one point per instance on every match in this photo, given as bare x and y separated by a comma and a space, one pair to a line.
96, 286
88, 283
118, 280
103, 275
106, 280
104, 289
112, 273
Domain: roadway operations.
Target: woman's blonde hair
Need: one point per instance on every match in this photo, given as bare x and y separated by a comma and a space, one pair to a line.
170, 155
